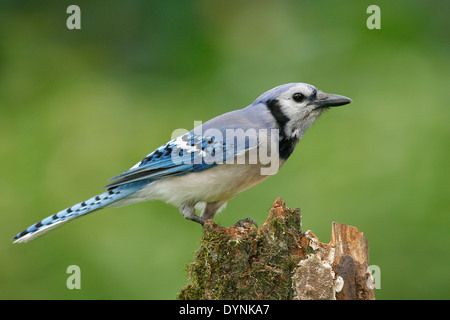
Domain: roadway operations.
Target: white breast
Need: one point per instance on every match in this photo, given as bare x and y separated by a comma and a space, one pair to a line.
221, 182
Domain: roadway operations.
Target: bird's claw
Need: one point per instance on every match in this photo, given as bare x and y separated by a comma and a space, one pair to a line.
241, 223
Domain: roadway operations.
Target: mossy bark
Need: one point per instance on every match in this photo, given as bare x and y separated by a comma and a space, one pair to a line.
279, 261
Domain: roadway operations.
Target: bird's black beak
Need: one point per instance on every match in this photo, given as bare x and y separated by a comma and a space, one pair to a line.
325, 100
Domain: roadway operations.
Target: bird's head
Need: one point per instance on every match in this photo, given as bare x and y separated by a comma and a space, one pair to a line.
296, 106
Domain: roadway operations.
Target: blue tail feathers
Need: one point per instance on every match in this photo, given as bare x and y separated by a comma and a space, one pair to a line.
78, 210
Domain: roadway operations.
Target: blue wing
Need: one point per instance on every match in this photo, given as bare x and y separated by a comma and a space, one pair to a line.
185, 154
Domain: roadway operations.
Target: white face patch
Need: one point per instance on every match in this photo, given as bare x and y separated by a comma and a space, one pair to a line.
303, 88
301, 114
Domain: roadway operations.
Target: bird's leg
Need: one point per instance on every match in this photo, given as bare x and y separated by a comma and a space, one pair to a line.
241, 223
211, 209
188, 211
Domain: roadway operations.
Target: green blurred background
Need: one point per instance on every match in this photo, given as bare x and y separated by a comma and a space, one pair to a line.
80, 106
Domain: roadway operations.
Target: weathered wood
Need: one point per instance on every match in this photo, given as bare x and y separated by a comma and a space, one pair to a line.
279, 261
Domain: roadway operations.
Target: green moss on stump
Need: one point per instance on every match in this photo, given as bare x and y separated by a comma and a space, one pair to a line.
250, 262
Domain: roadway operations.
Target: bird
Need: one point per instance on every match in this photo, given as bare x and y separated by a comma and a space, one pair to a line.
201, 170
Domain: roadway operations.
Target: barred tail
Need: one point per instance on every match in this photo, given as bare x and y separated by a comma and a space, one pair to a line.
78, 210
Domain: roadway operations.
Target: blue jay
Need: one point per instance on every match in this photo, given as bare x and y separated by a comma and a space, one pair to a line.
201, 170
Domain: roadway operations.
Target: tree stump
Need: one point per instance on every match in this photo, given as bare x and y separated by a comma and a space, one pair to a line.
279, 261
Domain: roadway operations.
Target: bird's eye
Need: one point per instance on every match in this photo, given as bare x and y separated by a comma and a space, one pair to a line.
298, 97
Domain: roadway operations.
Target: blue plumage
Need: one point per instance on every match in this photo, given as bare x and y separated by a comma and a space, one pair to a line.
203, 166
174, 158
79, 209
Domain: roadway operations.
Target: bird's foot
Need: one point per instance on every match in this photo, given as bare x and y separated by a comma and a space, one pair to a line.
197, 219
188, 211
242, 223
